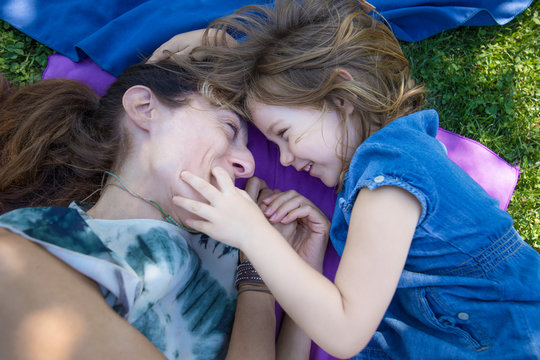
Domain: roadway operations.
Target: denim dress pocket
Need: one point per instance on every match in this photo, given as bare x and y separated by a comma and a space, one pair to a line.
450, 323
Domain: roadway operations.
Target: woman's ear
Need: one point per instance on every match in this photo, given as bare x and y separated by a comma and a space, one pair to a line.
139, 104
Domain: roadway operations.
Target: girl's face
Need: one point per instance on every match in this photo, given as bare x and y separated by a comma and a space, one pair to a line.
308, 139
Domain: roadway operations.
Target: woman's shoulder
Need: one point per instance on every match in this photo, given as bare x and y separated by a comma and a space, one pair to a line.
59, 226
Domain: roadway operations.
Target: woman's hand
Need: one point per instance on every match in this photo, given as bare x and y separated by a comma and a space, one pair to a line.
182, 44
179, 45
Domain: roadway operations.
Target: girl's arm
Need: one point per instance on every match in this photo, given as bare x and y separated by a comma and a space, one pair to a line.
306, 229
341, 317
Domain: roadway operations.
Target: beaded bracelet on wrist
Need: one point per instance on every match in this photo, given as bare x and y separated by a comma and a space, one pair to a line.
246, 274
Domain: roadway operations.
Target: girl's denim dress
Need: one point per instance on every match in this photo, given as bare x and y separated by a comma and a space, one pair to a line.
470, 288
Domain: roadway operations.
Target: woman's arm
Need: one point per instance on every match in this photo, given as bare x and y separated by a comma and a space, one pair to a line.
306, 229
182, 44
254, 327
50, 311
293, 343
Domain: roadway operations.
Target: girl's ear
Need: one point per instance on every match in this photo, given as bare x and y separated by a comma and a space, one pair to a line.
343, 104
139, 104
339, 102
344, 75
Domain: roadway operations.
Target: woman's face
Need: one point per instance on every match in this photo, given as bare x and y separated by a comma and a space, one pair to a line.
197, 137
308, 139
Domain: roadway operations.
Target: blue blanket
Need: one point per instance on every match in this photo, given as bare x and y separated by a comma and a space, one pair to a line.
117, 33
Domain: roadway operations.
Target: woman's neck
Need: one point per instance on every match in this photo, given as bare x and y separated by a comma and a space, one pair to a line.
116, 202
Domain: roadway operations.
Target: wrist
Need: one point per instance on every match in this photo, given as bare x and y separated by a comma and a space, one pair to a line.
254, 289
247, 279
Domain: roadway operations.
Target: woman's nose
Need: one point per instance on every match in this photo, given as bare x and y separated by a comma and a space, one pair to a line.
243, 163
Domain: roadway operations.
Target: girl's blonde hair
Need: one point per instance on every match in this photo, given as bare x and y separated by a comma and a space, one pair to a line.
291, 54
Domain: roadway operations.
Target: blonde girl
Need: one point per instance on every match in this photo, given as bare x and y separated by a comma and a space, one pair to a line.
430, 266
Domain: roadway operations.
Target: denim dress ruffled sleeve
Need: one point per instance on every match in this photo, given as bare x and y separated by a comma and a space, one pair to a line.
176, 288
470, 288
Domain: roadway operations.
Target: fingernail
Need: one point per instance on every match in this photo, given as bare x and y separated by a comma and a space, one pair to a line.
268, 211
273, 217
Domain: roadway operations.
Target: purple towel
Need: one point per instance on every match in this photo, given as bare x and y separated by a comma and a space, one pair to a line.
494, 174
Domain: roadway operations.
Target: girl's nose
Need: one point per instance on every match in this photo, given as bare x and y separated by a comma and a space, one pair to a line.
285, 157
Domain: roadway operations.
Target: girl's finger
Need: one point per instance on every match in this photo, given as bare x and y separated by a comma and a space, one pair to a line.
301, 212
203, 187
223, 179
199, 225
195, 207
317, 221
279, 199
271, 198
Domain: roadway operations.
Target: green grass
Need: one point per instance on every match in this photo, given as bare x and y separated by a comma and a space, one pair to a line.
22, 59
484, 81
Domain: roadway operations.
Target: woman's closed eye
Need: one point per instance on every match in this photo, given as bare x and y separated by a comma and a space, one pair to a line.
281, 133
233, 128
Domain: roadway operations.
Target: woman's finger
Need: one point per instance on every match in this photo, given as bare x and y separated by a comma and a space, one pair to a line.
255, 187
264, 193
179, 44
165, 51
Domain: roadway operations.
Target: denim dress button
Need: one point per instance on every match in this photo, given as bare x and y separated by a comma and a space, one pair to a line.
463, 316
379, 179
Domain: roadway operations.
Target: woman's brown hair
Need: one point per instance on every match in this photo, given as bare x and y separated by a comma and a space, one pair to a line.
291, 54
57, 137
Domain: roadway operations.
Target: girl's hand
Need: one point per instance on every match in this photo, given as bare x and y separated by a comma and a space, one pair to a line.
304, 226
182, 44
230, 216
296, 218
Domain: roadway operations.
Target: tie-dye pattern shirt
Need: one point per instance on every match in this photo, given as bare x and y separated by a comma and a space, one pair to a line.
175, 287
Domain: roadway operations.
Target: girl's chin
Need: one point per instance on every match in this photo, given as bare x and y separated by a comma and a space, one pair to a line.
328, 182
